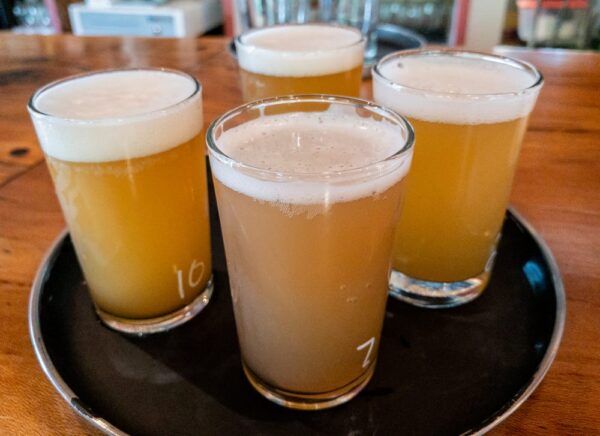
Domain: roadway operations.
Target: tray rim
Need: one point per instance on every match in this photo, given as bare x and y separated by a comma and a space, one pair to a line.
106, 427
39, 347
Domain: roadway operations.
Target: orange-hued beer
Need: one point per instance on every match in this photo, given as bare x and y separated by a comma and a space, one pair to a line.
300, 59
469, 112
473, 204
125, 153
308, 202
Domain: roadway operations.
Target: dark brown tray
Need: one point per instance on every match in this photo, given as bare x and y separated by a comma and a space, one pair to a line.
453, 371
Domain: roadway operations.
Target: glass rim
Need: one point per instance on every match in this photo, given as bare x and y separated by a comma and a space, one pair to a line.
31, 105
278, 175
538, 78
361, 40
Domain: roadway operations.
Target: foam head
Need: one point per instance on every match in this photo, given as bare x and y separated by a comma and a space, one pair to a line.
456, 87
300, 50
115, 115
302, 147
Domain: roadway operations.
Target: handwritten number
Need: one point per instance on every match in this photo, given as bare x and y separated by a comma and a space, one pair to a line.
369, 344
191, 282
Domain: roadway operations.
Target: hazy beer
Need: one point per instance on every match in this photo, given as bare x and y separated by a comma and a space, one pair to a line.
125, 153
308, 203
469, 112
300, 59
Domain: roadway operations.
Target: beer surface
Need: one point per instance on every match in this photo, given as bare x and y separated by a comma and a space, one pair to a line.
117, 115
302, 146
300, 50
456, 90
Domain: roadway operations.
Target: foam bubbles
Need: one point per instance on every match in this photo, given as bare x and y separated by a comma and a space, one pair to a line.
301, 147
455, 89
117, 115
300, 50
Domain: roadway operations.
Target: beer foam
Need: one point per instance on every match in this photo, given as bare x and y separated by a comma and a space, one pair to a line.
300, 50
116, 115
455, 89
301, 147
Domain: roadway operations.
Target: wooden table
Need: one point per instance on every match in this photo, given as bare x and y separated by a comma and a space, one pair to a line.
557, 188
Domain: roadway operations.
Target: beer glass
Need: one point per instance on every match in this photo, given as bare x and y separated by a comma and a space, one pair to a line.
308, 189
124, 150
469, 112
300, 58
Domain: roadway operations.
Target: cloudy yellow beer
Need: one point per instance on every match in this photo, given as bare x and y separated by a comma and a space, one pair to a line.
300, 59
469, 112
308, 246
125, 153
459, 196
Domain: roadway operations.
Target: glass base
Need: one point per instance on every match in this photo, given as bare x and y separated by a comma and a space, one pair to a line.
318, 401
159, 324
436, 295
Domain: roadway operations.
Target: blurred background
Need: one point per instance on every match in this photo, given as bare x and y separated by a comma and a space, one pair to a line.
474, 24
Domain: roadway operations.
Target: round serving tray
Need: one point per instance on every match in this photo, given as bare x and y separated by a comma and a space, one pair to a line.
452, 371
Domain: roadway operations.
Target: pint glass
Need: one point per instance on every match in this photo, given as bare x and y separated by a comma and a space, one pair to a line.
308, 189
300, 59
125, 153
469, 112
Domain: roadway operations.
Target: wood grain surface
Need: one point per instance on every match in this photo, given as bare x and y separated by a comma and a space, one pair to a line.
557, 188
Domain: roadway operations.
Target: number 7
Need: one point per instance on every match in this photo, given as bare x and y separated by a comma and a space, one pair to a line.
369, 344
